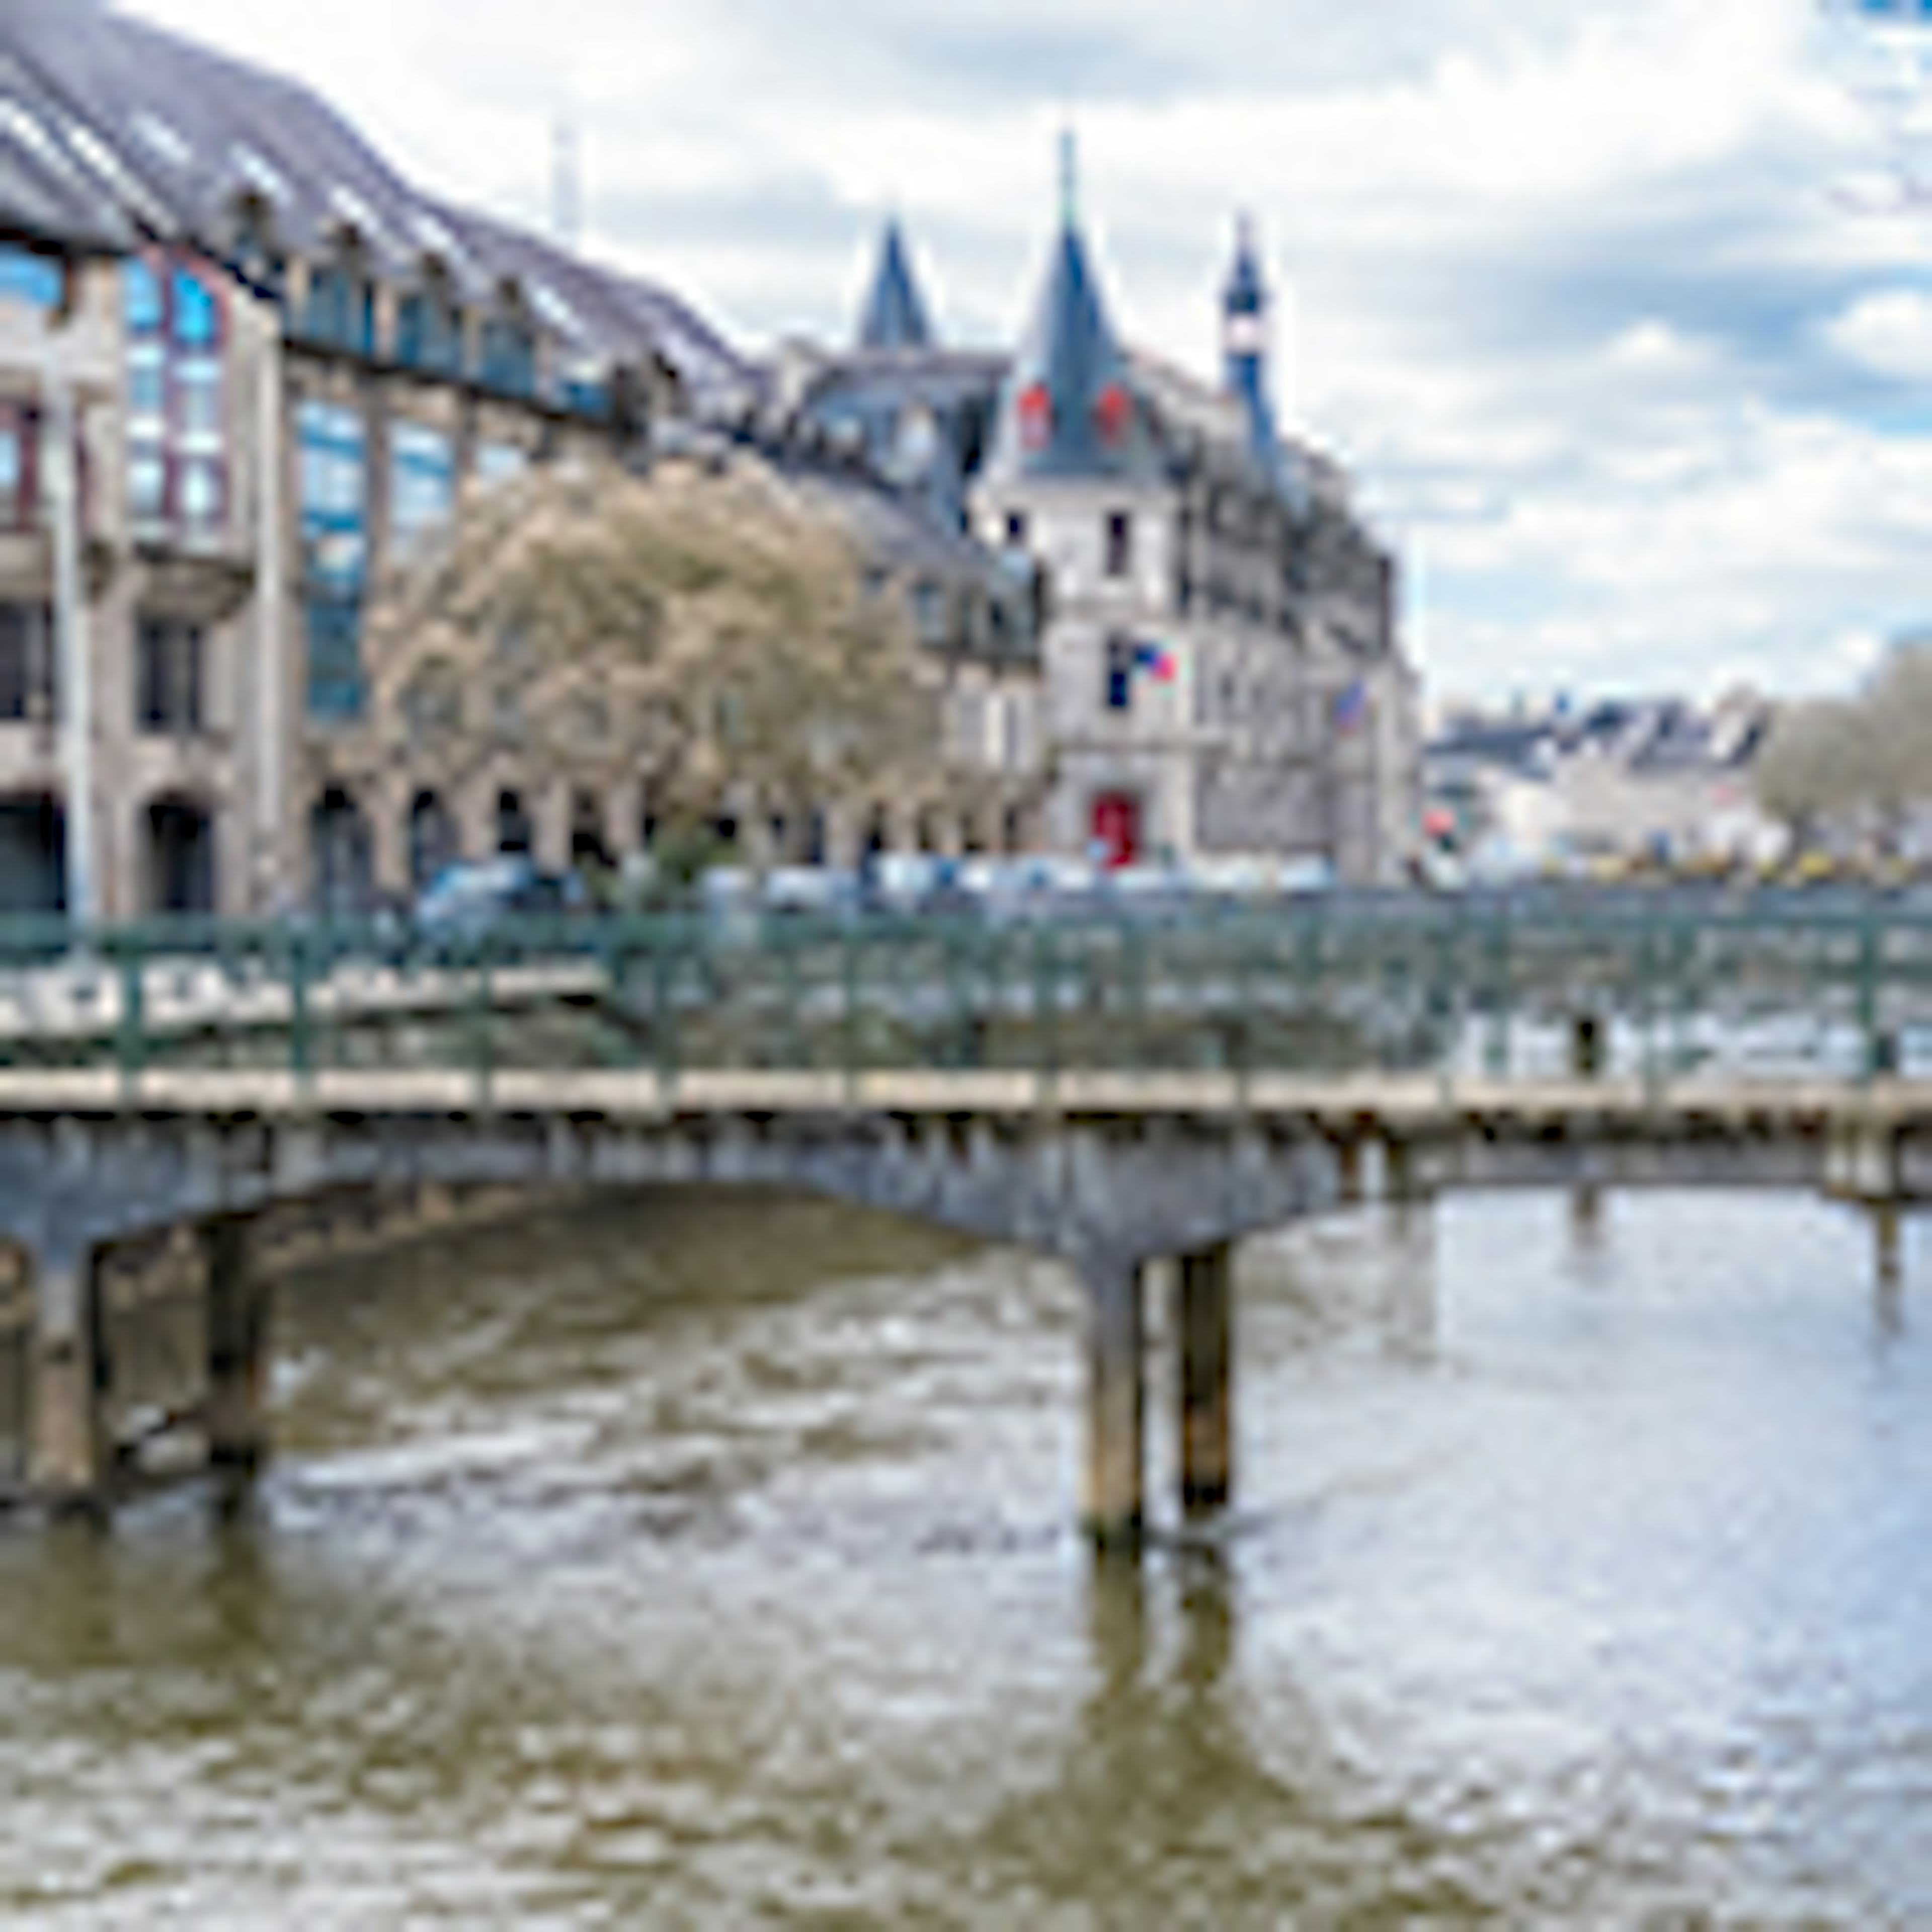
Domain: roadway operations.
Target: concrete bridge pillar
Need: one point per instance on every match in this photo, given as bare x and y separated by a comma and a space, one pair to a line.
1203, 1331
238, 1312
68, 1450
1862, 1161
1116, 1404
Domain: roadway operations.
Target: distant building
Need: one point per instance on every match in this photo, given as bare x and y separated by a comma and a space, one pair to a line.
1224, 679
1621, 779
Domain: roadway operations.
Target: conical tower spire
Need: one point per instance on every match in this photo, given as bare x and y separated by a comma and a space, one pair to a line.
895, 316
1070, 408
1244, 328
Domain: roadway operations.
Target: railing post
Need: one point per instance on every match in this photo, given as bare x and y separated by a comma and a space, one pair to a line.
482, 1022
1244, 1009
664, 1041
1046, 1011
1137, 998
793, 1051
130, 1034
1651, 953
302, 1032
848, 1029
1445, 999
1876, 1053
1502, 994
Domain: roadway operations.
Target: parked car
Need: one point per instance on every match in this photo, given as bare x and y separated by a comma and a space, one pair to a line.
465, 901
821, 891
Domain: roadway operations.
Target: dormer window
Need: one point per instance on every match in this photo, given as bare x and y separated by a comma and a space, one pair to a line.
583, 391
429, 330
509, 349
340, 311
256, 255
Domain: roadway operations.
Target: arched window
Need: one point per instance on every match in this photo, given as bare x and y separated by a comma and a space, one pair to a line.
340, 853
434, 844
180, 857
513, 832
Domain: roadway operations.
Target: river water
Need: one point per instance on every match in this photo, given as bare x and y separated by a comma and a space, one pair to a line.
709, 1562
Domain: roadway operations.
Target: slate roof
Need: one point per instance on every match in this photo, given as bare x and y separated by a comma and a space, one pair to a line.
895, 316
1052, 421
111, 129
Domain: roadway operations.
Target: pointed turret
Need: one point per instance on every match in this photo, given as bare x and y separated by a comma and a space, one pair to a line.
1070, 408
895, 315
1244, 323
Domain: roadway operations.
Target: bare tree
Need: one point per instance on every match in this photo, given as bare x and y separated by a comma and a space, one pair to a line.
1816, 767
711, 631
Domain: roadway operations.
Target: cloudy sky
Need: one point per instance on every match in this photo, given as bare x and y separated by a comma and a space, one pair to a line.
1616, 311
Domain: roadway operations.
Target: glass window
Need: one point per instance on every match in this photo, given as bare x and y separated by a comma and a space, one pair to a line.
422, 484
25, 277
197, 314
333, 443
26, 662
341, 309
509, 356
1118, 694
143, 302
198, 399
1120, 544
168, 675
147, 485
429, 333
334, 625
148, 382
177, 469
498, 462
200, 494
929, 613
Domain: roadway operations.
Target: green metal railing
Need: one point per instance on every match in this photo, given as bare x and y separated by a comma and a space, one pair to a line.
1459, 987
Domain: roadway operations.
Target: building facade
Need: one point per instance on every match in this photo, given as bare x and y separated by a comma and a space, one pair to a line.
280, 367
1225, 680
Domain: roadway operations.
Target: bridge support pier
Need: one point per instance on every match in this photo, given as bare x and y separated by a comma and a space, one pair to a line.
238, 1312
1204, 1332
1116, 1404
68, 1451
1862, 1162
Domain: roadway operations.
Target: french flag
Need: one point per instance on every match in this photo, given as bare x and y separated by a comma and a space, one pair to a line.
1157, 661
1352, 708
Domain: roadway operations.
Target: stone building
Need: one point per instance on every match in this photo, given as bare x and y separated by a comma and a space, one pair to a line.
284, 364
1224, 677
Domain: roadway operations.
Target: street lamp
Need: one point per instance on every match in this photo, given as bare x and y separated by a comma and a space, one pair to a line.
73, 675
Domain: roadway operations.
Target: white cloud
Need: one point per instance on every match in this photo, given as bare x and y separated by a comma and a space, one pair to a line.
1888, 332
1586, 295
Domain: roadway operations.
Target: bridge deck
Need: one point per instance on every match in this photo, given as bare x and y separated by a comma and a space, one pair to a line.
1401, 1103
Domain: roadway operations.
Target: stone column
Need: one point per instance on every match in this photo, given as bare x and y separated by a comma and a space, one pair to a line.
239, 1308
67, 1457
1116, 1404
1204, 1334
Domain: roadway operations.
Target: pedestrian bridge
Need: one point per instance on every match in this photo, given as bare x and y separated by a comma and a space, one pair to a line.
1116, 1092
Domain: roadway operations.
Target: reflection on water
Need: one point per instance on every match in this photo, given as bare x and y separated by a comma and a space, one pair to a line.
709, 1562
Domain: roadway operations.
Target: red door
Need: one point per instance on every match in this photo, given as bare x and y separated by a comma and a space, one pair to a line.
1117, 829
